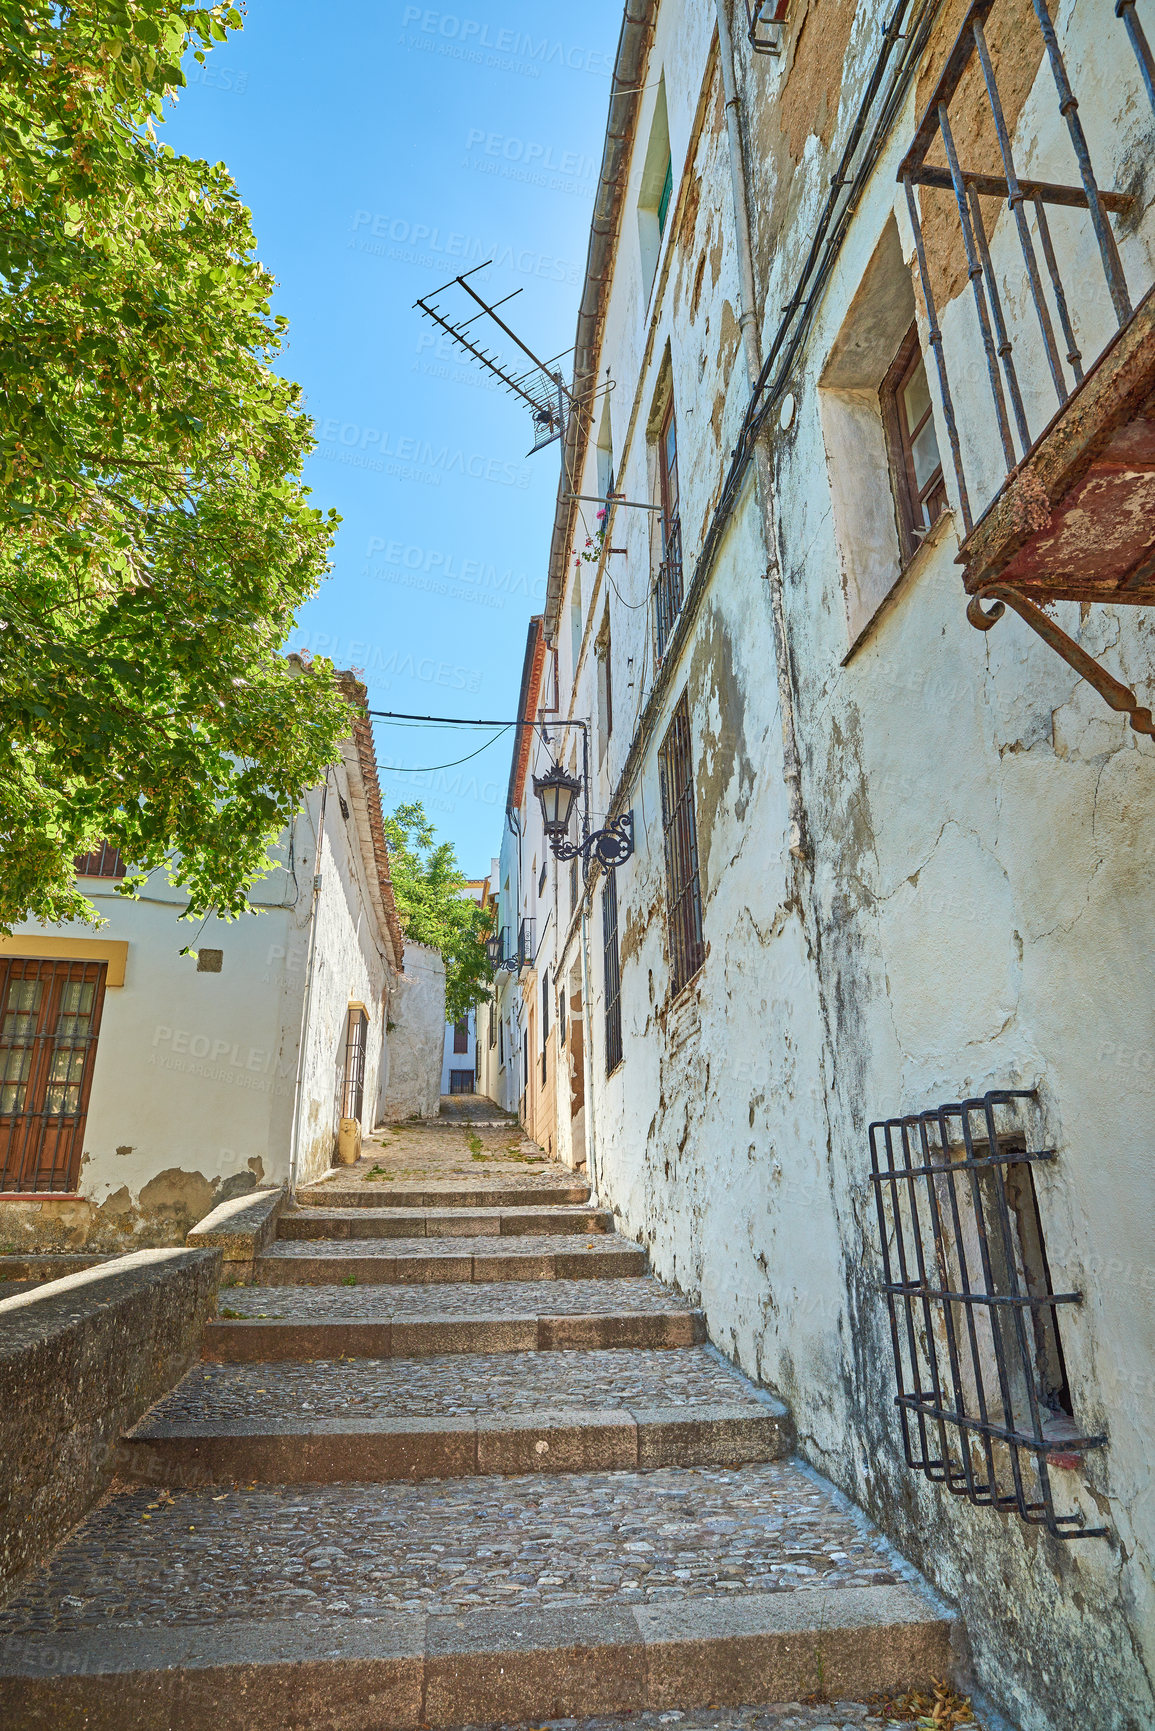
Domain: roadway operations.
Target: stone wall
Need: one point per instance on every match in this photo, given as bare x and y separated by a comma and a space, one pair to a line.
80, 1360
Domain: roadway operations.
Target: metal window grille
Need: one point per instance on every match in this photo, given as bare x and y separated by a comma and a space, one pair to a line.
544, 1022
353, 1089
1027, 199
974, 1322
612, 972
103, 862
527, 942
49, 1023
461, 1034
477, 1062
493, 1025
683, 888
668, 589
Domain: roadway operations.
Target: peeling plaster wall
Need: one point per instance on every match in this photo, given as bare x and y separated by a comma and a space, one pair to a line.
412, 1076
977, 911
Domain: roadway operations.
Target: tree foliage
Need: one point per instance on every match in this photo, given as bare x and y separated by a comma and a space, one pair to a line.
155, 537
430, 890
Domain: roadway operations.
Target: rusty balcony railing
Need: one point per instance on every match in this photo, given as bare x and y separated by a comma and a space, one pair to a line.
1093, 463
668, 589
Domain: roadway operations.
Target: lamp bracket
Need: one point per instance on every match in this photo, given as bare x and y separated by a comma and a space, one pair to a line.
611, 846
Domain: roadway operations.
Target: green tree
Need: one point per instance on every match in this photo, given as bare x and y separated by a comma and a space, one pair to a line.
429, 888
155, 537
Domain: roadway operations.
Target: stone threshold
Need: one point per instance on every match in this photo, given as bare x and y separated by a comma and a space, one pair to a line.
444, 1195
385, 1266
237, 1340
293, 1450
321, 1223
477, 1667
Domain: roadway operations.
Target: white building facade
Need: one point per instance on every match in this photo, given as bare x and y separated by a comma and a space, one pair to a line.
886, 862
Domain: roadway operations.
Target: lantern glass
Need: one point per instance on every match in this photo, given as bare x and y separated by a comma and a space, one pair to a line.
556, 792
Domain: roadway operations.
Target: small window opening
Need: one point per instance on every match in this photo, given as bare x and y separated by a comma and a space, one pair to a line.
655, 192
916, 466
461, 1034
683, 886
353, 1089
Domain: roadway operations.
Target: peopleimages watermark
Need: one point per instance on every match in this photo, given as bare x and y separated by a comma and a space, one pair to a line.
403, 241
530, 161
410, 458
376, 662
482, 43
441, 572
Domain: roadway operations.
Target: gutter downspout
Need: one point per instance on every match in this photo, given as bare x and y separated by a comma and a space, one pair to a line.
298, 1086
748, 325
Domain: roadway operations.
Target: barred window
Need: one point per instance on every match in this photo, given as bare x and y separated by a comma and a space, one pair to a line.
668, 590
683, 888
353, 1083
103, 862
613, 973
461, 1034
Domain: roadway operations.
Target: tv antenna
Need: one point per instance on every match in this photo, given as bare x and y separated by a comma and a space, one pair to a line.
540, 387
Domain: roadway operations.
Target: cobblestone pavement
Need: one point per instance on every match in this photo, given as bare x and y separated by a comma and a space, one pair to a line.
454, 1298
350, 1550
438, 1149
515, 1244
496, 1382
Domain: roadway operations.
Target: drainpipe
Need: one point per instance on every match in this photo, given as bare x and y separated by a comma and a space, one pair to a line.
748, 325
298, 1087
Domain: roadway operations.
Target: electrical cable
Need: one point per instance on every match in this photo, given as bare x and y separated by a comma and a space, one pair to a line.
427, 768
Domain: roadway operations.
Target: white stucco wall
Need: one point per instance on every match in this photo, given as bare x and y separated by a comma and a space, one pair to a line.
973, 913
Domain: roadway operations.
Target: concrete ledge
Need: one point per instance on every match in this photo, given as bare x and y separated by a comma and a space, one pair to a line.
242, 1227
479, 1667
80, 1360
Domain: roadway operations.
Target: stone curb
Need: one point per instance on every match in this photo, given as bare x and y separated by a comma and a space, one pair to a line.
385, 1269
237, 1340
242, 1227
450, 1196
478, 1667
351, 1451
317, 1223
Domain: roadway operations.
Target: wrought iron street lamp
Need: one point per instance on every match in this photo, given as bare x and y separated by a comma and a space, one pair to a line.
557, 793
494, 947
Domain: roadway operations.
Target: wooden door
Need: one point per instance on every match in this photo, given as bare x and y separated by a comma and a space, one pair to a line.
49, 1022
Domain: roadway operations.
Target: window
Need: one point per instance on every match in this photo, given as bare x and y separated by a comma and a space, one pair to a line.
605, 686
104, 862
49, 1021
544, 1021
500, 1043
576, 618
612, 972
461, 1081
477, 1062
683, 889
542, 875
983, 1394
605, 451
461, 1035
353, 1085
655, 192
908, 417
668, 591
493, 1025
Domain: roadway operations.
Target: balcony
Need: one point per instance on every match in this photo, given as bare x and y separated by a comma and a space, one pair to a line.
527, 942
1057, 499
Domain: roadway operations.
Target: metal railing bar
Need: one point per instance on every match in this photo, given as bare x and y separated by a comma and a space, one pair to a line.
1074, 355
994, 186
1017, 1438
975, 273
934, 335
1125, 9
1069, 109
1005, 347
1016, 191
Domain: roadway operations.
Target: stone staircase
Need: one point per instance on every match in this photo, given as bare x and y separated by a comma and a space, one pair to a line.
455, 1457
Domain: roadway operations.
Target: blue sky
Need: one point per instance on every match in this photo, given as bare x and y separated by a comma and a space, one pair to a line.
382, 148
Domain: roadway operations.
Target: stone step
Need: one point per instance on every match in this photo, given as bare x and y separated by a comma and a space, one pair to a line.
315, 1223
391, 1261
360, 1420
261, 1325
335, 1194
468, 1602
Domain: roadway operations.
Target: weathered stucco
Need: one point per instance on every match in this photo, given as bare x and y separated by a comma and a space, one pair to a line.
974, 910
411, 1083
